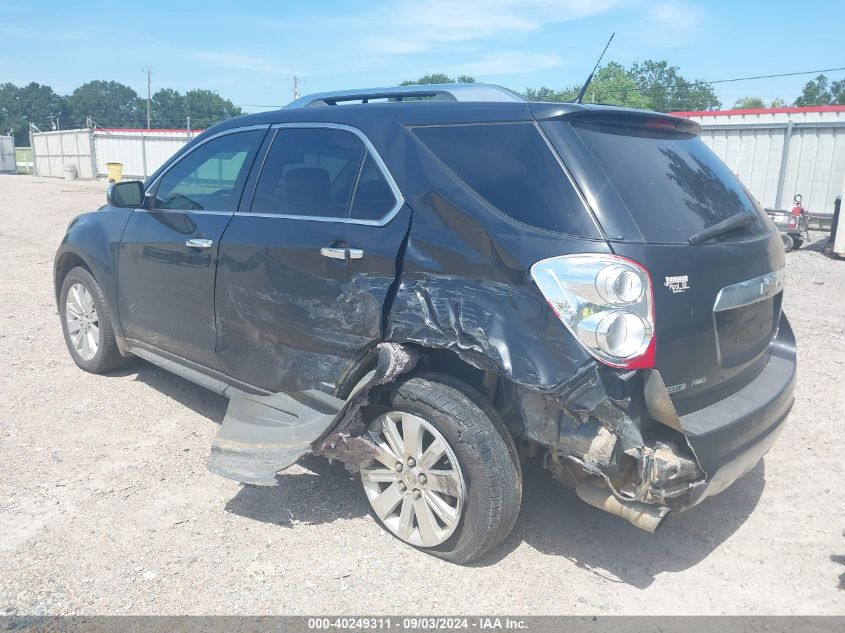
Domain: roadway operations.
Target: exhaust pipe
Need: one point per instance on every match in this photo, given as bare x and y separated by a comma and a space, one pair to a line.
645, 516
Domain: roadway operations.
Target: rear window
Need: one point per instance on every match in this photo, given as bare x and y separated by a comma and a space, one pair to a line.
511, 167
672, 184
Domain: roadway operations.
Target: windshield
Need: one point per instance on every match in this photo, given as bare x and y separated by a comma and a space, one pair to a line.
672, 184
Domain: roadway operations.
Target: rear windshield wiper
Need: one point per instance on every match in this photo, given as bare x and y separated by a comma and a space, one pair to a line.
738, 221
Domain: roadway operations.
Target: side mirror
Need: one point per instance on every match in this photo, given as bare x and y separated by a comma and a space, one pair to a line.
126, 194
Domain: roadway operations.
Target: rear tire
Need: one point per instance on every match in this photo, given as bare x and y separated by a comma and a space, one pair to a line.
487, 504
87, 324
788, 242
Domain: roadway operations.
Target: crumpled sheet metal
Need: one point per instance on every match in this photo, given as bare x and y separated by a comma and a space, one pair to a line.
577, 422
491, 325
347, 442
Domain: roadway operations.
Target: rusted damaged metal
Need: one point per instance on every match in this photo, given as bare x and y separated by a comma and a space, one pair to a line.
347, 441
609, 449
645, 516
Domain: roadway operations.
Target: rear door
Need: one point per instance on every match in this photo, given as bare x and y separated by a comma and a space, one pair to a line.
304, 274
168, 253
717, 303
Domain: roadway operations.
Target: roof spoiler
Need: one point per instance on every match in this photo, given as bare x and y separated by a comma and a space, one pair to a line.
615, 117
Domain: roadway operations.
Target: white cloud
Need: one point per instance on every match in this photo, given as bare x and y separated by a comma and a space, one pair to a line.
506, 63
417, 27
676, 17
237, 61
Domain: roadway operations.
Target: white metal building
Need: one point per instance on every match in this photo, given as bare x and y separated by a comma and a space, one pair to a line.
7, 155
778, 152
140, 151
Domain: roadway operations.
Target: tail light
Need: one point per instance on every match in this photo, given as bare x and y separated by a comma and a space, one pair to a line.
606, 302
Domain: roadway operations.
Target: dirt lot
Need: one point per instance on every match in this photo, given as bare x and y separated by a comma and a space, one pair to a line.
106, 506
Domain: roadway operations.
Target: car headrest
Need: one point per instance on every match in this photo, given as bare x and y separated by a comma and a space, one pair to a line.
308, 188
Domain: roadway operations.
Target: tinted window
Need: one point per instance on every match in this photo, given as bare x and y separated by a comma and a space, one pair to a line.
373, 196
211, 176
512, 168
309, 172
672, 184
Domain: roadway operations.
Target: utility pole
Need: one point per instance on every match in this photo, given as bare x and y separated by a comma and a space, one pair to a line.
295, 87
149, 72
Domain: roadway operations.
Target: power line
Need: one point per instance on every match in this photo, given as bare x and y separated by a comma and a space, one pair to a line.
803, 72
642, 88
698, 83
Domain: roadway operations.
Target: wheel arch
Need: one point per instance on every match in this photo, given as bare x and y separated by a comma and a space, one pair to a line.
92, 241
65, 262
494, 385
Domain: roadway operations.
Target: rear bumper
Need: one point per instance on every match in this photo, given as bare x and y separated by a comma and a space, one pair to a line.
730, 436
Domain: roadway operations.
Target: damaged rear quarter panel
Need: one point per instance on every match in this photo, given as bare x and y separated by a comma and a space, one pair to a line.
466, 286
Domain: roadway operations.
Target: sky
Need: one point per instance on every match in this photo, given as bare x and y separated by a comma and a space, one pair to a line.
249, 51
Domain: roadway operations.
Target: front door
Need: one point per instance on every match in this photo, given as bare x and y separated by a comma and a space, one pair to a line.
303, 275
168, 253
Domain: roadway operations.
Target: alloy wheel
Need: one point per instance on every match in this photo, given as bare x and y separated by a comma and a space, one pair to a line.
415, 484
83, 323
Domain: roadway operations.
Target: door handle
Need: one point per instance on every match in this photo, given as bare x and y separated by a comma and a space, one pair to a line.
198, 243
334, 252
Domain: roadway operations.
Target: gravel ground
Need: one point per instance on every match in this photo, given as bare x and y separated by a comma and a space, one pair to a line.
106, 506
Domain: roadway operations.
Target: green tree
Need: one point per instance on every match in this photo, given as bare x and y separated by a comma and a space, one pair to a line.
206, 107
648, 85
778, 103
747, 103
668, 91
837, 92
108, 103
34, 103
544, 93
438, 78
815, 92
615, 85
169, 109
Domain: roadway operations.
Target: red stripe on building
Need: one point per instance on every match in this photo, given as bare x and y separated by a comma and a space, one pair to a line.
135, 130
821, 108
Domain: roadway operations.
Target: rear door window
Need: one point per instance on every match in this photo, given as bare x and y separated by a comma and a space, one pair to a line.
309, 172
373, 196
512, 168
672, 184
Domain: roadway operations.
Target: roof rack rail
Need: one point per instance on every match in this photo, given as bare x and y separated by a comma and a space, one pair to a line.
438, 92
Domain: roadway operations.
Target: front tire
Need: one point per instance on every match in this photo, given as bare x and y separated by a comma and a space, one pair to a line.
87, 324
448, 479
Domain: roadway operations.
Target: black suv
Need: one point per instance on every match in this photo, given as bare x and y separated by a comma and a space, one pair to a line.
432, 284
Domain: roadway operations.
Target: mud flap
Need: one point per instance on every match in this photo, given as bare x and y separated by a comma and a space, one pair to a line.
261, 435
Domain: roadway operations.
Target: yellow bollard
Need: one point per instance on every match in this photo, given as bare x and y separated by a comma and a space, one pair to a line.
115, 171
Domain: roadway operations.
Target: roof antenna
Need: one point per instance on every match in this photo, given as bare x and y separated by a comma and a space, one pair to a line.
586, 85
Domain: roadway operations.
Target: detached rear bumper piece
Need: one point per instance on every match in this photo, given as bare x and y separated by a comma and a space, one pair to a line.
730, 436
